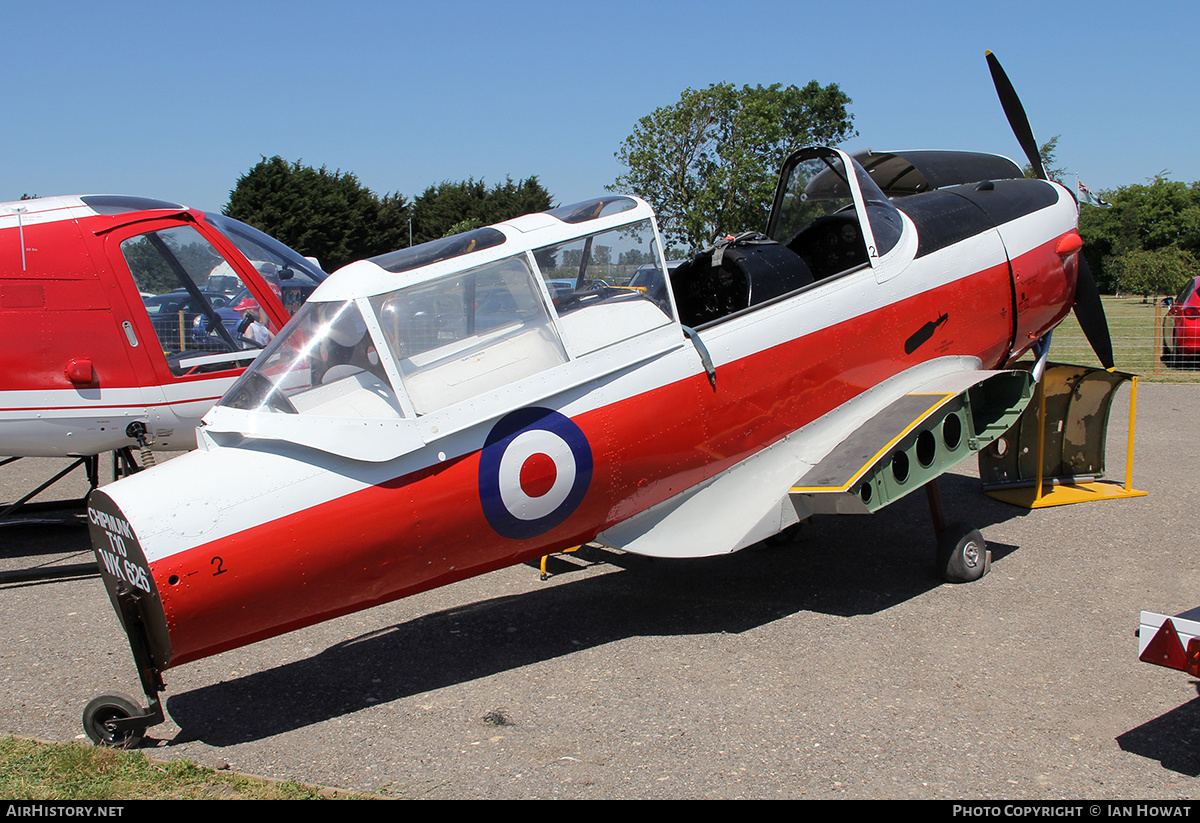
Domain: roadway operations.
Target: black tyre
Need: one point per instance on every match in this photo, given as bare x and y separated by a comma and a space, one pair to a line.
99, 714
962, 554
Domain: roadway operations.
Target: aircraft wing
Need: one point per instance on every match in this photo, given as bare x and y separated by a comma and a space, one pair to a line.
858, 458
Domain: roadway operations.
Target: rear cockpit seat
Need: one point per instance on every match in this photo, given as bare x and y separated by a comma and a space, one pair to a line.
735, 275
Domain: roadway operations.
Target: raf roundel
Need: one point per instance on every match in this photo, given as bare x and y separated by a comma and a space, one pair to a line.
534, 471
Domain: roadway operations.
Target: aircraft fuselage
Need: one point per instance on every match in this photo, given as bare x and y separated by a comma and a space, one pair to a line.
281, 520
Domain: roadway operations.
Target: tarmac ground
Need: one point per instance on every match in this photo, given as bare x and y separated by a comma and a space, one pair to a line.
838, 666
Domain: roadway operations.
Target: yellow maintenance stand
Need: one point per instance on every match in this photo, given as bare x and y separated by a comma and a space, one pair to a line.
1054, 455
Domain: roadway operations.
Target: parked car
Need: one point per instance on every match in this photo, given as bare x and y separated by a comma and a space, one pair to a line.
1181, 328
176, 311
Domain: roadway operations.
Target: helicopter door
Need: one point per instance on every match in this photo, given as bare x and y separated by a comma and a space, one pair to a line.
180, 292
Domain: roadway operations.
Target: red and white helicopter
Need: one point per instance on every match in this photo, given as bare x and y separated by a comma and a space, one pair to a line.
119, 321
483, 400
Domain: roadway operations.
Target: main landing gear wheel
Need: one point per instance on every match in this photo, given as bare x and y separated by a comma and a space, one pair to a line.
963, 554
99, 717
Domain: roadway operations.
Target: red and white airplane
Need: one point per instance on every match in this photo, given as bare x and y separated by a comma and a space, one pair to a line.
118, 326
485, 399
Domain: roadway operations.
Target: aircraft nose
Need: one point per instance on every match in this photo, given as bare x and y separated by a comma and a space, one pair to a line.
127, 577
117, 549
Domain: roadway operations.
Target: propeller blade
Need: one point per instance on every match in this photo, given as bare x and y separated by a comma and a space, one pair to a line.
1089, 311
1015, 113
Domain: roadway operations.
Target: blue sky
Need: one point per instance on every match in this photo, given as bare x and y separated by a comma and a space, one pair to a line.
176, 101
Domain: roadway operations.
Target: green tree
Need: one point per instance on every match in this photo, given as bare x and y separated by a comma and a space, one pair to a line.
452, 207
1047, 154
1144, 217
708, 164
150, 270
634, 257
328, 215
1155, 271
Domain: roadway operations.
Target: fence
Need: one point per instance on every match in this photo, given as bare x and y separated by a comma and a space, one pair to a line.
1137, 335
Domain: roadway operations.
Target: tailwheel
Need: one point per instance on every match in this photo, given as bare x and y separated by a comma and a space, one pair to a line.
962, 554
114, 720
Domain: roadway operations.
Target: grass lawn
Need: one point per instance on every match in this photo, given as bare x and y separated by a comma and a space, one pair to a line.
77, 771
1136, 329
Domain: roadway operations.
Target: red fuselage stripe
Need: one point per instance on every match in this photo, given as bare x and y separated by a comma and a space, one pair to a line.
91, 408
428, 528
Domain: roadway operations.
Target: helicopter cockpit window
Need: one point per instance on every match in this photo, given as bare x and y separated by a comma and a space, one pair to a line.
590, 283
186, 288
468, 333
292, 277
815, 216
325, 364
